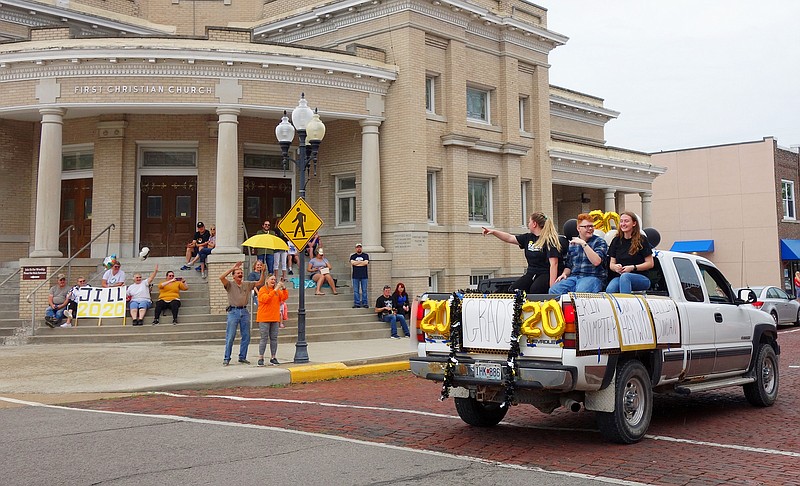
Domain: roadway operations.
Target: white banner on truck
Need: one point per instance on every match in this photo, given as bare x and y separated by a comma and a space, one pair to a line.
487, 323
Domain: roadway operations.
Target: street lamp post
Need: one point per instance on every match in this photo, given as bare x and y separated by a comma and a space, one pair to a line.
308, 126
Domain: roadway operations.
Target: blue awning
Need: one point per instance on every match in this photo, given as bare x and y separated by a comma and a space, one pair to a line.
790, 249
693, 246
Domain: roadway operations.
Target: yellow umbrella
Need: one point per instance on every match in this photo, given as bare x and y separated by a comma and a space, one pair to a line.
271, 242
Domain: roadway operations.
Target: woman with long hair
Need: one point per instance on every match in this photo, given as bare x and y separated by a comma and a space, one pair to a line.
542, 251
400, 296
631, 256
270, 297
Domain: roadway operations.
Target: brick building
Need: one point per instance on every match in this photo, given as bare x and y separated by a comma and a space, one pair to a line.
440, 119
736, 205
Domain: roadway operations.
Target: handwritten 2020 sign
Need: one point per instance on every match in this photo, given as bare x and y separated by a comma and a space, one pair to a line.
101, 302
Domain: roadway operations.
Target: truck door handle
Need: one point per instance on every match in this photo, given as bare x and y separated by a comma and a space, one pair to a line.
718, 317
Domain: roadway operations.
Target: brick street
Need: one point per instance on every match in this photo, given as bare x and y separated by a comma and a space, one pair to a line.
709, 438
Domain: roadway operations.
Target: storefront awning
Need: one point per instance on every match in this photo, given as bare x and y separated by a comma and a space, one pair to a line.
694, 246
790, 249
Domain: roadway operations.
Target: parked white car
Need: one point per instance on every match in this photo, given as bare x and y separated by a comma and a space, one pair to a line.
783, 307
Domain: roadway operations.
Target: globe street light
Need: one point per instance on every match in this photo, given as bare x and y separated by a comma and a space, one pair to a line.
308, 126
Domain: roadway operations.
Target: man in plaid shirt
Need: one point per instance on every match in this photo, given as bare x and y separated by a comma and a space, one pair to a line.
584, 270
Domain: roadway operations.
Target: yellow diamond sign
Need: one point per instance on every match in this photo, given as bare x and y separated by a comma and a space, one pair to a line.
300, 223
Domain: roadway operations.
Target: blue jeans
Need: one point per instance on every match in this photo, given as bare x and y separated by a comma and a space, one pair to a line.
627, 283
392, 319
56, 314
577, 284
240, 318
269, 260
360, 292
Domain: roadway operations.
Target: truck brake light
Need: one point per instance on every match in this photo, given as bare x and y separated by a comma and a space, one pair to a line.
757, 304
420, 313
570, 327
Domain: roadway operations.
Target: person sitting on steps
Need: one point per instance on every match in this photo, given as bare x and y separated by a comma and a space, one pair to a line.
319, 268
386, 309
169, 296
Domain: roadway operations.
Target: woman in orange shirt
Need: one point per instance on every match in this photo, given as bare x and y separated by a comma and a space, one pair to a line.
268, 317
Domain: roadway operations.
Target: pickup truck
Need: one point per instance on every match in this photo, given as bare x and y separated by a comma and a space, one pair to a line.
608, 353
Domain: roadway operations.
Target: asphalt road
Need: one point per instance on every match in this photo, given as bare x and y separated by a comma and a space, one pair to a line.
392, 429
53, 445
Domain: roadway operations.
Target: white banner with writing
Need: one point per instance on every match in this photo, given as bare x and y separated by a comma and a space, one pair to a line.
101, 302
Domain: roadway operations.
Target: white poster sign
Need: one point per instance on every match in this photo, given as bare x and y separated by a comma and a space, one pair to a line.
101, 302
487, 323
633, 322
597, 327
665, 320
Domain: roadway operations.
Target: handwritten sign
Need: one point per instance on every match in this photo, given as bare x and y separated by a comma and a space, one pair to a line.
101, 302
633, 323
487, 323
665, 320
597, 327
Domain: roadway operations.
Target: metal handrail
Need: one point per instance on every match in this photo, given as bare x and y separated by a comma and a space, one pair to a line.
106, 231
10, 277
69, 228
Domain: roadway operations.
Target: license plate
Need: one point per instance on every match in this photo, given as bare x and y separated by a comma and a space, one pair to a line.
489, 371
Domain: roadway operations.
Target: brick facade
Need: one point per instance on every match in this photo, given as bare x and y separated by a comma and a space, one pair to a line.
125, 94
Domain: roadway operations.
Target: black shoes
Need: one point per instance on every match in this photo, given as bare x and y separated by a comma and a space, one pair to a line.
155, 321
356, 306
226, 362
243, 361
174, 321
50, 321
274, 362
261, 362
138, 322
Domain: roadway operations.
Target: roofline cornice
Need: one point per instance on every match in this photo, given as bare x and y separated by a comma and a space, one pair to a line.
322, 13
77, 16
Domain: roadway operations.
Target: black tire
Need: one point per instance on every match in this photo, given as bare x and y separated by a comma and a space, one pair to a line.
797, 322
764, 391
480, 414
775, 317
633, 405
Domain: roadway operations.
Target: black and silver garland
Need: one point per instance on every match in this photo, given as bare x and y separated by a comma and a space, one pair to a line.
513, 351
455, 343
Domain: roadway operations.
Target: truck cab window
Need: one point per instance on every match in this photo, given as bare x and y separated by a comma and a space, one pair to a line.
690, 281
719, 290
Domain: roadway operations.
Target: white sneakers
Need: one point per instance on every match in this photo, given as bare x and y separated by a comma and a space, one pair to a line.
65, 325
68, 314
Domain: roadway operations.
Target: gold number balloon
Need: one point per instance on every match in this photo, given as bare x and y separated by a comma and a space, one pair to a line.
548, 314
437, 320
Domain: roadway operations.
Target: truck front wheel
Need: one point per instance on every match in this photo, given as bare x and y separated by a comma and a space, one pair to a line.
764, 391
633, 405
480, 414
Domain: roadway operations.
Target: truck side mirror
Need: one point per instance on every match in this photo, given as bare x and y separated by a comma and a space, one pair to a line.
747, 296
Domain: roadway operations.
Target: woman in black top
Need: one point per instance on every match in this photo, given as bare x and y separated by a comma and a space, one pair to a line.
542, 251
631, 257
400, 297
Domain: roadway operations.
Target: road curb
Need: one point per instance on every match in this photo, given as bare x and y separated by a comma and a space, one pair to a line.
330, 371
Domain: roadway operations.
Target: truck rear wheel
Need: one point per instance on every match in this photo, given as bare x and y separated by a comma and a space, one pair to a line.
764, 391
633, 405
480, 414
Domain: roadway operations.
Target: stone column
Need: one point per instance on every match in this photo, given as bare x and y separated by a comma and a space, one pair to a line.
610, 200
647, 209
370, 187
48, 186
227, 197
620, 202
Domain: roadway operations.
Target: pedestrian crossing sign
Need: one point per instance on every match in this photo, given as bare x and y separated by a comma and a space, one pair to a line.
300, 223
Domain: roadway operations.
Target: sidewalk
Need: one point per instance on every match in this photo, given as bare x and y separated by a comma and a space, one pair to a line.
124, 368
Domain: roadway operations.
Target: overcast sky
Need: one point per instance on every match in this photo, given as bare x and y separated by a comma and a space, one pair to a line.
683, 73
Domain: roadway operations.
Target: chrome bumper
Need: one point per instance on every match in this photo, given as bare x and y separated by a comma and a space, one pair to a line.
534, 375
